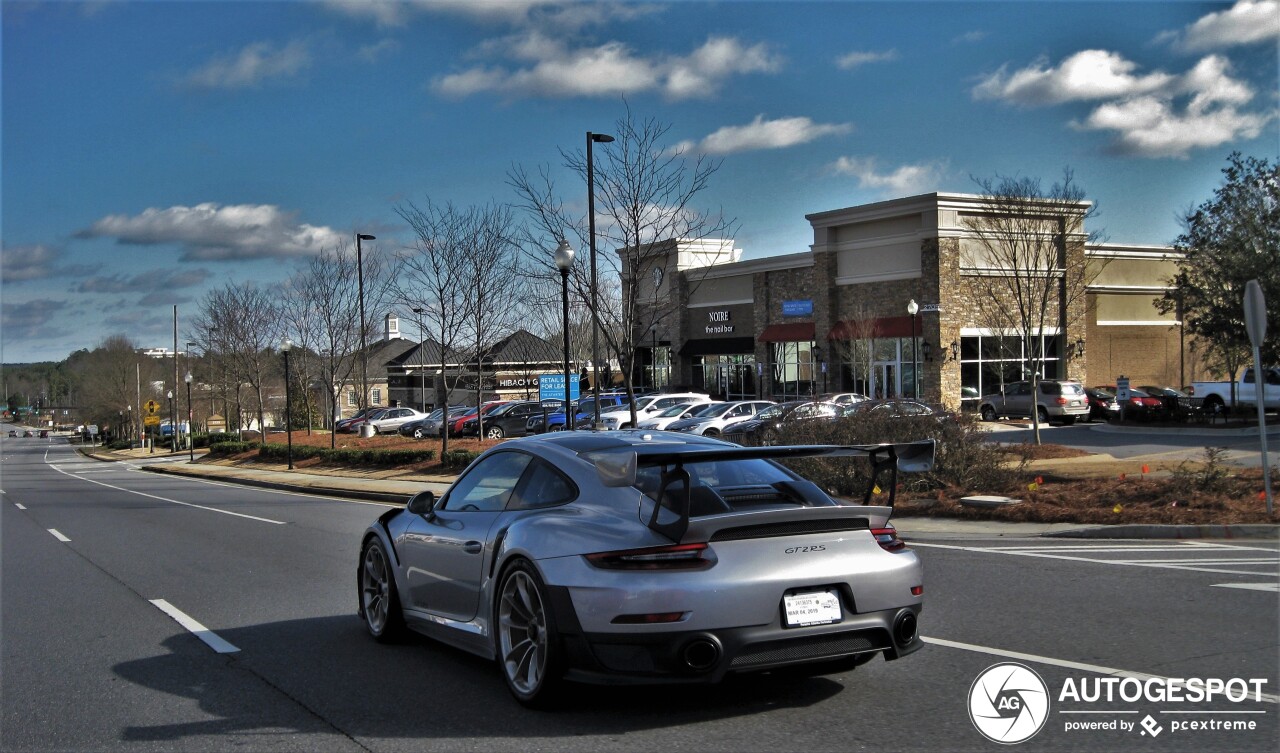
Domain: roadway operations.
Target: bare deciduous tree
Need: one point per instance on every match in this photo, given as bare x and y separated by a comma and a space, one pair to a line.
645, 196
1027, 244
242, 322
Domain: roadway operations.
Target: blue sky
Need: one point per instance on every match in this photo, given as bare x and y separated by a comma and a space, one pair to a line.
152, 150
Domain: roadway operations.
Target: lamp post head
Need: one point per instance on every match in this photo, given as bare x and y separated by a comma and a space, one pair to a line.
286, 346
912, 307
419, 311
564, 256
601, 138
366, 237
187, 378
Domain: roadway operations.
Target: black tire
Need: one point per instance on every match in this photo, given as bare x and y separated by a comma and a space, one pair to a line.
1042, 414
494, 432
1213, 405
526, 640
557, 427
711, 433
379, 601
989, 413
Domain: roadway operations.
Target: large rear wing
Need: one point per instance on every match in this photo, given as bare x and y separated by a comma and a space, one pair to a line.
617, 468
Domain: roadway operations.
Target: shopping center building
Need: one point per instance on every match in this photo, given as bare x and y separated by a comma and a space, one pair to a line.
835, 317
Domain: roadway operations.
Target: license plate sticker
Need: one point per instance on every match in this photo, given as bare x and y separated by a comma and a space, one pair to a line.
811, 608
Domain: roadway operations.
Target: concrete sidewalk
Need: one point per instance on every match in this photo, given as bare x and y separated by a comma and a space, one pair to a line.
371, 486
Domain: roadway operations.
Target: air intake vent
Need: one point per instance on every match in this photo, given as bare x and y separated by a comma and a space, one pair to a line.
791, 528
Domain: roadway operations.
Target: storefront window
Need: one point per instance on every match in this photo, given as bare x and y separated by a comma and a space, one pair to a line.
732, 377
987, 362
890, 374
793, 370
657, 372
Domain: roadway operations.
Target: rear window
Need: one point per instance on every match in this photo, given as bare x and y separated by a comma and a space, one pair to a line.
734, 485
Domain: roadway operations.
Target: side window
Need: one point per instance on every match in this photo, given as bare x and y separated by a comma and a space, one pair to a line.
489, 484
543, 487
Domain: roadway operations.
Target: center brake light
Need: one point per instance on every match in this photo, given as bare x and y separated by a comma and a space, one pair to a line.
888, 539
675, 557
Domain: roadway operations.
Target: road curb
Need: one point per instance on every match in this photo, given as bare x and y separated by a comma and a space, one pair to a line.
1248, 431
1251, 531
324, 491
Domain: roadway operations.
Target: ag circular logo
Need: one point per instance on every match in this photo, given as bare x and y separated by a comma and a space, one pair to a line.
1008, 703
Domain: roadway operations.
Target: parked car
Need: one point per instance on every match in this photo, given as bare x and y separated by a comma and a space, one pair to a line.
354, 423
769, 425
1058, 400
1217, 395
674, 413
1102, 404
897, 409
844, 398
549, 556
345, 425
44, 434
711, 422
28, 433
582, 410
1143, 407
508, 420
648, 407
430, 425
13, 432
391, 419
455, 425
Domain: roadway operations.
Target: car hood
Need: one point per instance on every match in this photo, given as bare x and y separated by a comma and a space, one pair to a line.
684, 423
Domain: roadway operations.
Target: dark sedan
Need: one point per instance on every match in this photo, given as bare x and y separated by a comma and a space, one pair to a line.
896, 409
769, 424
509, 419
1102, 404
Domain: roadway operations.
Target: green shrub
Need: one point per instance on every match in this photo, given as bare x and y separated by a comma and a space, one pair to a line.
120, 444
231, 448
353, 457
458, 459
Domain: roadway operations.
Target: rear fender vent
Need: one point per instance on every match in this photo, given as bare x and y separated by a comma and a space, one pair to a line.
791, 528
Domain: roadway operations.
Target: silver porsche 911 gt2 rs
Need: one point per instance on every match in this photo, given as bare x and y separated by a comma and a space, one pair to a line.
647, 556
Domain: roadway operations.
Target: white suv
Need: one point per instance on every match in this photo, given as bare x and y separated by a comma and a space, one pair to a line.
648, 407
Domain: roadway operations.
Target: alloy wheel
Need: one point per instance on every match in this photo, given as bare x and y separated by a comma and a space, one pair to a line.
522, 632
375, 589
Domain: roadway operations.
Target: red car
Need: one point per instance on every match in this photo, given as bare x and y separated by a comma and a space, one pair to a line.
1140, 406
455, 423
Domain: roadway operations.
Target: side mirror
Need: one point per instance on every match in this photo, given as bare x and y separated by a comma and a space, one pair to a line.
423, 503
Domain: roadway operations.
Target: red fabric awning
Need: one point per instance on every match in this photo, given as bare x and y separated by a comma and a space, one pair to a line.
787, 333
885, 326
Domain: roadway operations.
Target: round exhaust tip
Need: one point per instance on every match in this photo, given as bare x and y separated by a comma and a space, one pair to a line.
904, 628
701, 654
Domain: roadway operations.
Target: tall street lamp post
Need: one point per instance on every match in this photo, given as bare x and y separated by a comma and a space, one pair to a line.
288, 412
912, 308
191, 439
364, 351
173, 416
593, 138
564, 260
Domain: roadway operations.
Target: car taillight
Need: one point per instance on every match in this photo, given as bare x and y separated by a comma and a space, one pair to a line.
888, 539
1061, 401
677, 557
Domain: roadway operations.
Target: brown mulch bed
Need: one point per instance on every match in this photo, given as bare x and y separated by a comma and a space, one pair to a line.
1168, 496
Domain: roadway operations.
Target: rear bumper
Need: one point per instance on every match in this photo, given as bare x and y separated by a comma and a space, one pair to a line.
706, 656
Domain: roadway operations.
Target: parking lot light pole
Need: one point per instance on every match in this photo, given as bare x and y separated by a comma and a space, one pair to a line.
288, 413
364, 350
594, 138
912, 308
564, 261
422, 356
191, 437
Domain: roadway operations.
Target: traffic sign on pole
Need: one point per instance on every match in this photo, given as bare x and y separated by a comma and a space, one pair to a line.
1255, 323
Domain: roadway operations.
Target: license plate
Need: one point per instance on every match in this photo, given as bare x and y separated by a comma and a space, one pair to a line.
811, 608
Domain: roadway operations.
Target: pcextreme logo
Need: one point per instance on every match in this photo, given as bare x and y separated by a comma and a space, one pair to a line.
1008, 703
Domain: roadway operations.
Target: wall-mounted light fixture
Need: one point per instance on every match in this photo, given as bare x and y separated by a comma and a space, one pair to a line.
953, 351
926, 348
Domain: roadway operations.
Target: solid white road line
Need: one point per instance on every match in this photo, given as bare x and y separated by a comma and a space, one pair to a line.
1123, 563
19, 506
166, 499
1272, 587
212, 639
59, 536
1094, 668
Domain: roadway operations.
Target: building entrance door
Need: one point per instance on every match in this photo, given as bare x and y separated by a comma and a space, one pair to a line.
884, 380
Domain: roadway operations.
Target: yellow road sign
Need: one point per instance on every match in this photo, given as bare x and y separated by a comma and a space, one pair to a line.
152, 407
150, 420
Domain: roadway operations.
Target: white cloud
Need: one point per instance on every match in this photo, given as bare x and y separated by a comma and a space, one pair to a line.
251, 66
610, 69
969, 37
28, 262
211, 232
1246, 22
855, 59
1150, 127
370, 53
906, 179
764, 134
1089, 74
381, 12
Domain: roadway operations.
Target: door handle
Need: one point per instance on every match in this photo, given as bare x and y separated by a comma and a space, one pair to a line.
473, 547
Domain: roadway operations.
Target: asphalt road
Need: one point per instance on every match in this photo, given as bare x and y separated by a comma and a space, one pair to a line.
1171, 442
91, 662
